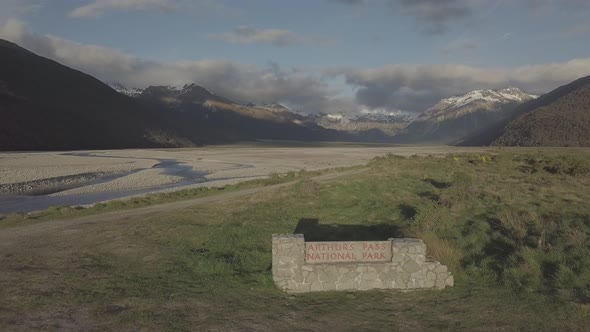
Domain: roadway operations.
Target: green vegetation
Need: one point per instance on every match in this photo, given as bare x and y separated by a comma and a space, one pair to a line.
518, 221
559, 118
513, 227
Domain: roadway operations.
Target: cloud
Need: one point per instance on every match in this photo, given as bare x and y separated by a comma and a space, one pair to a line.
250, 35
389, 87
434, 16
416, 87
351, 2
19, 8
240, 82
577, 29
460, 46
569, 4
198, 7
99, 7
277, 37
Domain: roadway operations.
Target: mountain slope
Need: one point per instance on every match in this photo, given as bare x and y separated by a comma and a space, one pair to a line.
122, 89
45, 105
559, 118
454, 118
218, 119
377, 126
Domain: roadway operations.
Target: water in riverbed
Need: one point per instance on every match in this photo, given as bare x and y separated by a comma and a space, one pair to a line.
29, 203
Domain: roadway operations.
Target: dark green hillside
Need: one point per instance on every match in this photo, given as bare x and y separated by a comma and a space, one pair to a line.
558, 118
45, 105
563, 121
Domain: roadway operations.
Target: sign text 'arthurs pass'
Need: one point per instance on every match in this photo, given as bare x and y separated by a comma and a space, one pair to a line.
333, 252
299, 266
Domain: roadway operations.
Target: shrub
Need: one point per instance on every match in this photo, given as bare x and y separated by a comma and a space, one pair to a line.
524, 278
441, 249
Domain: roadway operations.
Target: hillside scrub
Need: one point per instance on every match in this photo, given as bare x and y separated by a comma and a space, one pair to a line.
559, 118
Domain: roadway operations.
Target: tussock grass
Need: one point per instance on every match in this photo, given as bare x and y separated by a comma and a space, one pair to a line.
522, 219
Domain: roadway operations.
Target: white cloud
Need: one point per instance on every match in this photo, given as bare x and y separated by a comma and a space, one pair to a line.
99, 7
416, 87
391, 87
19, 8
250, 35
461, 45
434, 16
241, 82
196, 7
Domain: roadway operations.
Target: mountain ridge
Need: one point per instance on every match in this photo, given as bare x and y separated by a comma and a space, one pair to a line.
454, 118
562, 118
45, 105
49, 106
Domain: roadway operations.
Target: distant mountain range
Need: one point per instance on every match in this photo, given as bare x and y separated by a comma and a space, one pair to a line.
122, 89
218, 119
47, 106
385, 124
452, 119
377, 126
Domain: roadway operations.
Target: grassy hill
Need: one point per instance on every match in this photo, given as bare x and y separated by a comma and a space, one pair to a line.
521, 262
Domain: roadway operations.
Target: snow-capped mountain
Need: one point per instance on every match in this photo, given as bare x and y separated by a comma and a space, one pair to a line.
377, 116
454, 118
474, 101
187, 91
387, 122
384, 117
274, 107
131, 92
180, 97
506, 95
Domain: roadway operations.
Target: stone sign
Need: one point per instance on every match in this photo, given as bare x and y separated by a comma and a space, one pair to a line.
332, 252
299, 266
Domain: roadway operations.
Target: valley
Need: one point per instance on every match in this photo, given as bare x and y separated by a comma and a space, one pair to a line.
332, 165
37, 181
494, 218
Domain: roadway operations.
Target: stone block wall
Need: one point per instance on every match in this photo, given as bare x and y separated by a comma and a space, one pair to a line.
408, 268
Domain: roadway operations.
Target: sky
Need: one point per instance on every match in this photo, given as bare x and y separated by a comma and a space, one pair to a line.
331, 56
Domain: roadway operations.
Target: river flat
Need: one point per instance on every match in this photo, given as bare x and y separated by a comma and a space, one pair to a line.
32, 181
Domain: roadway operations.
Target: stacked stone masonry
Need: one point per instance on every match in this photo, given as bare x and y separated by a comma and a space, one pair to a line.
408, 267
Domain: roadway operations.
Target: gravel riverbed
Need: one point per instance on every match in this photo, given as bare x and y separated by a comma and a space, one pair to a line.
71, 174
